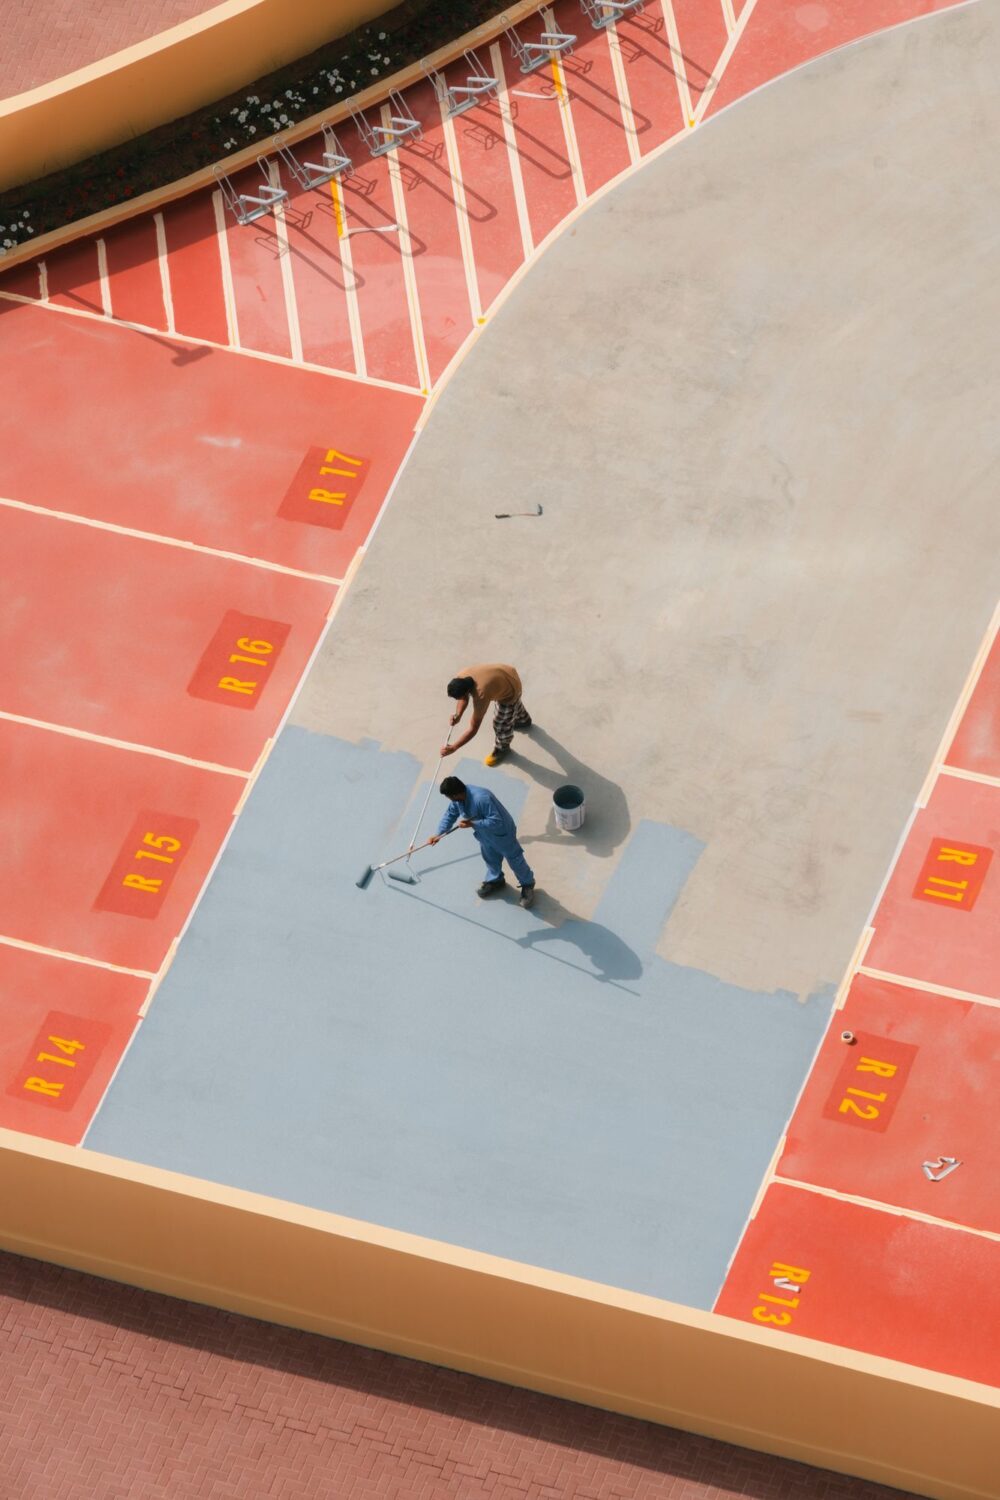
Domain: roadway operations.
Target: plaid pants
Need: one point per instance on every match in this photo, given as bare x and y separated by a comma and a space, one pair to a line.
506, 718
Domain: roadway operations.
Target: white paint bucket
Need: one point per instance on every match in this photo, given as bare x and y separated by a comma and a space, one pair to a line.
569, 807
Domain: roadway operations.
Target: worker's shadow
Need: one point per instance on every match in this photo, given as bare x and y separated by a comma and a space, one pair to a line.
612, 958
607, 822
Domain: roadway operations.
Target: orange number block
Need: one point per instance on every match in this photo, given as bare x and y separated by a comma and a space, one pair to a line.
789, 1281
239, 661
325, 488
952, 875
146, 865
870, 1083
61, 1059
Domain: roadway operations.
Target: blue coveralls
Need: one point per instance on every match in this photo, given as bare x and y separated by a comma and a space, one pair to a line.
495, 831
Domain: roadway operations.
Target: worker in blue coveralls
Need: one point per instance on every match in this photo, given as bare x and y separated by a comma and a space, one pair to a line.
493, 827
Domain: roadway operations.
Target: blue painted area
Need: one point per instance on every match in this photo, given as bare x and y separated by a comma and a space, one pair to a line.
524, 1083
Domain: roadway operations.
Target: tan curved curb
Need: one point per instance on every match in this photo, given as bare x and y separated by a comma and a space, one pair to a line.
53, 110
164, 77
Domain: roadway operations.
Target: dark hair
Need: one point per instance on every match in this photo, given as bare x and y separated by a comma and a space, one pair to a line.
453, 788
461, 687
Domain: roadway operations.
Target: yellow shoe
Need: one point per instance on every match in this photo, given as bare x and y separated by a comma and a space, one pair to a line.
496, 755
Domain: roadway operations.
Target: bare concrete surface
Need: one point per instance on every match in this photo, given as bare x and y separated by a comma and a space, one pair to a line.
755, 389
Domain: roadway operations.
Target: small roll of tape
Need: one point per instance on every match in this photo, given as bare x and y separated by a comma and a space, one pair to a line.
848, 1037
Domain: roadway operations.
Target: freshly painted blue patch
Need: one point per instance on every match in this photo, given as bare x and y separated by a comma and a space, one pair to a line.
525, 1083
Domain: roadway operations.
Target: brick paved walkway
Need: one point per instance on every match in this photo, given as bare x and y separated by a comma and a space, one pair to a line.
112, 1394
43, 39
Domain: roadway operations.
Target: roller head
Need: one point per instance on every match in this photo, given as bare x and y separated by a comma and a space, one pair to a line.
365, 881
405, 876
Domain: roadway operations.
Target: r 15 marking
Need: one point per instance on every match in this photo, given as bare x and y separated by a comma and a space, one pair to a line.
952, 874
783, 1278
60, 1060
325, 487
239, 661
870, 1083
146, 865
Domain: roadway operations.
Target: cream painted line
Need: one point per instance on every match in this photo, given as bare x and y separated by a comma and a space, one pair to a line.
350, 280
161, 255
262, 760
353, 308
166, 541
857, 959
104, 739
853, 967
259, 764
532, 255
957, 713
569, 130
73, 958
877, 1206
406, 254
769, 1176
729, 15
962, 775
722, 63
461, 213
677, 56
339, 210
43, 286
102, 274
157, 980
185, 338
226, 270
916, 20
514, 160
876, 903
621, 89
908, 983
285, 262
566, 116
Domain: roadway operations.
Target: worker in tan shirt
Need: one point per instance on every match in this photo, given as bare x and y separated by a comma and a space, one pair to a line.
495, 683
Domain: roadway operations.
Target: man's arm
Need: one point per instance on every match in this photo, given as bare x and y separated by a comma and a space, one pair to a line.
447, 823
477, 718
457, 716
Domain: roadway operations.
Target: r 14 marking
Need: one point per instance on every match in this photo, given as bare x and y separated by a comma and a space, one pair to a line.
62, 1057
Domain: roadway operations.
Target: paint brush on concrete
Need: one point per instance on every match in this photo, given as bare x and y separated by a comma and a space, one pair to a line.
406, 876
506, 515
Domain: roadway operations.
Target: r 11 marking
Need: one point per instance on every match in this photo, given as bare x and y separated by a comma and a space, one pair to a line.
952, 874
147, 863
325, 487
239, 661
61, 1059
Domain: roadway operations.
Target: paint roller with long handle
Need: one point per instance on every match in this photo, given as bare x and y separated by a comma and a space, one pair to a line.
430, 787
405, 876
411, 880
